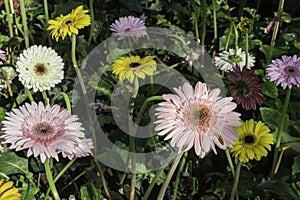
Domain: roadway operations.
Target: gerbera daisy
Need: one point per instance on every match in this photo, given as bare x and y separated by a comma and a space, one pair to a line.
245, 25
285, 71
69, 24
129, 67
245, 88
129, 26
80, 149
227, 60
197, 117
254, 138
40, 68
8, 191
44, 130
2, 55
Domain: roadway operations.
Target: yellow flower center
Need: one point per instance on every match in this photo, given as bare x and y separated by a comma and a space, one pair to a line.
291, 70
40, 69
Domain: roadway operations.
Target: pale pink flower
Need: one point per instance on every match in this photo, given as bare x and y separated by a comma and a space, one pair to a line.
285, 71
81, 149
44, 130
2, 55
129, 26
197, 117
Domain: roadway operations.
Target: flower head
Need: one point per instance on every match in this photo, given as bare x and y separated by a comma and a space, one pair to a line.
254, 138
129, 26
197, 117
245, 25
69, 24
2, 55
245, 88
8, 191
129, 67
44, 130
227, 60
40, 68
285, 71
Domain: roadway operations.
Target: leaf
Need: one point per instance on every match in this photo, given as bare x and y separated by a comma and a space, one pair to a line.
88, 192
12, 164
2, 114
132, 5
280, 188
296, 165
270, 89
270, 116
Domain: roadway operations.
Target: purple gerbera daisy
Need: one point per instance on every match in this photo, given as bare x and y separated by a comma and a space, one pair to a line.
129, 26
2, 55
285, 71
44, 130
197, 117
245, 88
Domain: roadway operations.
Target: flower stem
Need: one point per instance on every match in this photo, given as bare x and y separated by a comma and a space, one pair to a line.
50, 180
24, 22
236, 33
280, 128
47, 18
230, 162
91, 8
149, 189
75, 65
66, 98
169, 176
9, 19
228, 37
236, 180
29, 95
196, 16
277, 22
247, 50
215, 28
178, 175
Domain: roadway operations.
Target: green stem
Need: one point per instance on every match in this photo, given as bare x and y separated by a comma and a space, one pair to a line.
196, 16
169, 176
228, 37
247, 50
236, 33
62, 172
178, 175
47, 19
91, 8
230, 161
236, 180
45, 97
277, 22
149, 189
75, 65
50, 180
9, 18
279, 134
29, 95
24, 22
215, 28
66, 98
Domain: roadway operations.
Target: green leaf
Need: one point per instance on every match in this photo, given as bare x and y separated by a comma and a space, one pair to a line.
270, 116
2, 114
280, 188
296, 165
270, 89
88, 191
132, 5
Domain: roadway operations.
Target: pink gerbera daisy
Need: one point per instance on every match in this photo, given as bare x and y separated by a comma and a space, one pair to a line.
44, 130
197, 117
285, 71
129, 26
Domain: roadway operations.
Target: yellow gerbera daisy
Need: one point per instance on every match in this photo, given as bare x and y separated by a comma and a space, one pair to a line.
254, 138
8, 191
129, 67
68, 24
246, 25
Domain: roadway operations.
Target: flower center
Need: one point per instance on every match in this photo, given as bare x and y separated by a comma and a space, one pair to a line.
40, 69
291, 70
68, 21
242, 88
127, 29
235, 58
249, 139
134, 65
43, 130
198, 117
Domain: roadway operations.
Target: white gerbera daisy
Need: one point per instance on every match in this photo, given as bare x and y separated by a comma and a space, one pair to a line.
227, 60
40, 68
197, 117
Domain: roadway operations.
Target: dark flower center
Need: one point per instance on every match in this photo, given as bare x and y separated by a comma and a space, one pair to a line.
40, 69
68, 22
291, 70
249, 139
43, 130
243, 88
127, 29
235, 59
134, 65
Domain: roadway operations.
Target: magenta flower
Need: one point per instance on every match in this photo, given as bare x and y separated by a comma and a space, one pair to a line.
2, 55
245, 88
129, 26
197, 117
44, 130
285, 71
